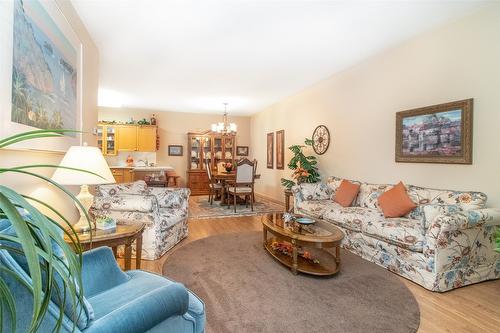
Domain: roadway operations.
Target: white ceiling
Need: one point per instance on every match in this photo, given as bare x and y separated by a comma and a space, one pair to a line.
191, 56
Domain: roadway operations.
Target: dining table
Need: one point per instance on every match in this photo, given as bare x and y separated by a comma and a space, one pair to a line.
224, 178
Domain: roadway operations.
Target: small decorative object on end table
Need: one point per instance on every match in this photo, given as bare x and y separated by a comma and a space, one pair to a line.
121, 235
302, 247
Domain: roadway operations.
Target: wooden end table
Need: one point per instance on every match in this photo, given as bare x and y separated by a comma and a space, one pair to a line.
288, 195
123, 235
317, 239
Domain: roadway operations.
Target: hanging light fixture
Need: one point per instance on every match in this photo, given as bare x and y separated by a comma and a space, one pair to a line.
225, 127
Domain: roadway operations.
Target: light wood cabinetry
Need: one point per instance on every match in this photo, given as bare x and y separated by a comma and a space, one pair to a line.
207, 147
123, 175
106, 139
127, 138
112, 138
146, 138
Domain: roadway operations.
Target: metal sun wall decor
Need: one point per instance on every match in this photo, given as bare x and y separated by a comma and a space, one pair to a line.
321, 139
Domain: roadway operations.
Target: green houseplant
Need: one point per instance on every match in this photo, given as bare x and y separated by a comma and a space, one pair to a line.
304, 167
36, 236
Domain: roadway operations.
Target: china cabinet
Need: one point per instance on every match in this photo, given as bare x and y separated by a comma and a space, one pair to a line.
207, 147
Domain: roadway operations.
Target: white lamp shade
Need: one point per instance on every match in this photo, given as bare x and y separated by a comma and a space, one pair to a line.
85, 158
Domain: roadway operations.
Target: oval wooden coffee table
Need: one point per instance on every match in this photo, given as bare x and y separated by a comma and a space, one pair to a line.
317, 239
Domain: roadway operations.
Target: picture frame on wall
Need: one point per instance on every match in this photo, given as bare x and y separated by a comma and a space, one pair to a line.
435, 134
241, 150
175, 150
40, 74
280, 150
270, 150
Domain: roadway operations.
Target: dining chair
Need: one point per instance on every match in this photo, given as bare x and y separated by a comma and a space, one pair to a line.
244, 180
254, 173
214, 187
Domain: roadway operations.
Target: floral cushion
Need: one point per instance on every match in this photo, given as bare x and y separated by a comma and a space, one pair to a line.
350, 217
315, 208
138, 187
311, 191
369, 193
424, 196
402, 232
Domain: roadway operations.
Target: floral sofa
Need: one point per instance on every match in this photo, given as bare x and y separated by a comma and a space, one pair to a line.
163, 210
448, 241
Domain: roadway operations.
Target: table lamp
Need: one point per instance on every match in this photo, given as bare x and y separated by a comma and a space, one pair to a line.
89, 159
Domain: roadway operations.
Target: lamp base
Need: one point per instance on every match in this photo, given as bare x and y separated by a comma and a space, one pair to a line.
86, 199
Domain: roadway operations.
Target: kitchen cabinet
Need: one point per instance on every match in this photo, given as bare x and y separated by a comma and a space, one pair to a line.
123, 175
106, 139
146, 138
113, 138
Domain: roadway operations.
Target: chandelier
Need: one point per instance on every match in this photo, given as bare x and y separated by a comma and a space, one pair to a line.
225, 127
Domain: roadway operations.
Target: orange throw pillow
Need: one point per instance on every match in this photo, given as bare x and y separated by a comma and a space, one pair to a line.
396, 202
346, 193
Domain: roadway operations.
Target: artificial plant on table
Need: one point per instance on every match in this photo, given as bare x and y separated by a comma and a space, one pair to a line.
40, 240
304, 167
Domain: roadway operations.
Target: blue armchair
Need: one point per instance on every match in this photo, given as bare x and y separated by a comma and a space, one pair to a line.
114, 301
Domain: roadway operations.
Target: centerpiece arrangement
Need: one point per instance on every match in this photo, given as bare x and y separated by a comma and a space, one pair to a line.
304, 167
228, 166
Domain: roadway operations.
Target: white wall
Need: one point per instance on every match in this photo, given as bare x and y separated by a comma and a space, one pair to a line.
457, 61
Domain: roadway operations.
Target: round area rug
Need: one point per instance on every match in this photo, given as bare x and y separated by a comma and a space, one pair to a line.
247, 290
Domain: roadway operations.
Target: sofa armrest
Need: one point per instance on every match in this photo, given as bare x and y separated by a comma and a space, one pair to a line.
145, 312
465, 219
100, 271
310, 191
169, 197
462, 239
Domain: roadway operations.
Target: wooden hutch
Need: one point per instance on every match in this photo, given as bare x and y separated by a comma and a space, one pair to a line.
207, 146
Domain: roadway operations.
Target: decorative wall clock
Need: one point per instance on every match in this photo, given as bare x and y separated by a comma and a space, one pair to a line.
321, 139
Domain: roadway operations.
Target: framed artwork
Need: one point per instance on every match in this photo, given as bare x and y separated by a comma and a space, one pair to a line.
241, 150
280, 150
435, 134
270, 150
175, 150
40, 73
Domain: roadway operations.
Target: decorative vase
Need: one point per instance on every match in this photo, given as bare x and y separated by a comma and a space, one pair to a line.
229, 169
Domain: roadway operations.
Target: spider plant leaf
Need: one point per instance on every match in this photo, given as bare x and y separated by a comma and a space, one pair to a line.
34, 135
29, 248
8, 299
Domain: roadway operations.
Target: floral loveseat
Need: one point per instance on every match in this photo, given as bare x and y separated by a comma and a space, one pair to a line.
448, 241
163, 210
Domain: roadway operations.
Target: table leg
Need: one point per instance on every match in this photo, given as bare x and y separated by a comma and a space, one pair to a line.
128, 255
337, 255
115, 252
138, 252
295, 264
264, 232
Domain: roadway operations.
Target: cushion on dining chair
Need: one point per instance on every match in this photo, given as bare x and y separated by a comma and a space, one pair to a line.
240, 189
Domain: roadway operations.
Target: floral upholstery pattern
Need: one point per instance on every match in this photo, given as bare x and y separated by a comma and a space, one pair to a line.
163, 211
403, 232
311, 191
350, 217
126, 202
447, 242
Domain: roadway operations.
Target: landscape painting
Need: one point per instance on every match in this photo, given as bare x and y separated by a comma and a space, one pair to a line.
44, 73
436, 134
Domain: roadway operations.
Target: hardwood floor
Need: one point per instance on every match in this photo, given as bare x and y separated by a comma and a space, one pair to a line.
470, 309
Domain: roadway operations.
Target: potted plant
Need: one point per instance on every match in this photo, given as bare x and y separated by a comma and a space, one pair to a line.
228, 166
36, 235
304, 167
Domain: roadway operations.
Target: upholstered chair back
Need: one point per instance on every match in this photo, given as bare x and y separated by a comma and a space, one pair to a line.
245, 172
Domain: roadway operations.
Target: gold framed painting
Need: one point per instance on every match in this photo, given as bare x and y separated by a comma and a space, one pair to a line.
280, 150
270, 150
435, 134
